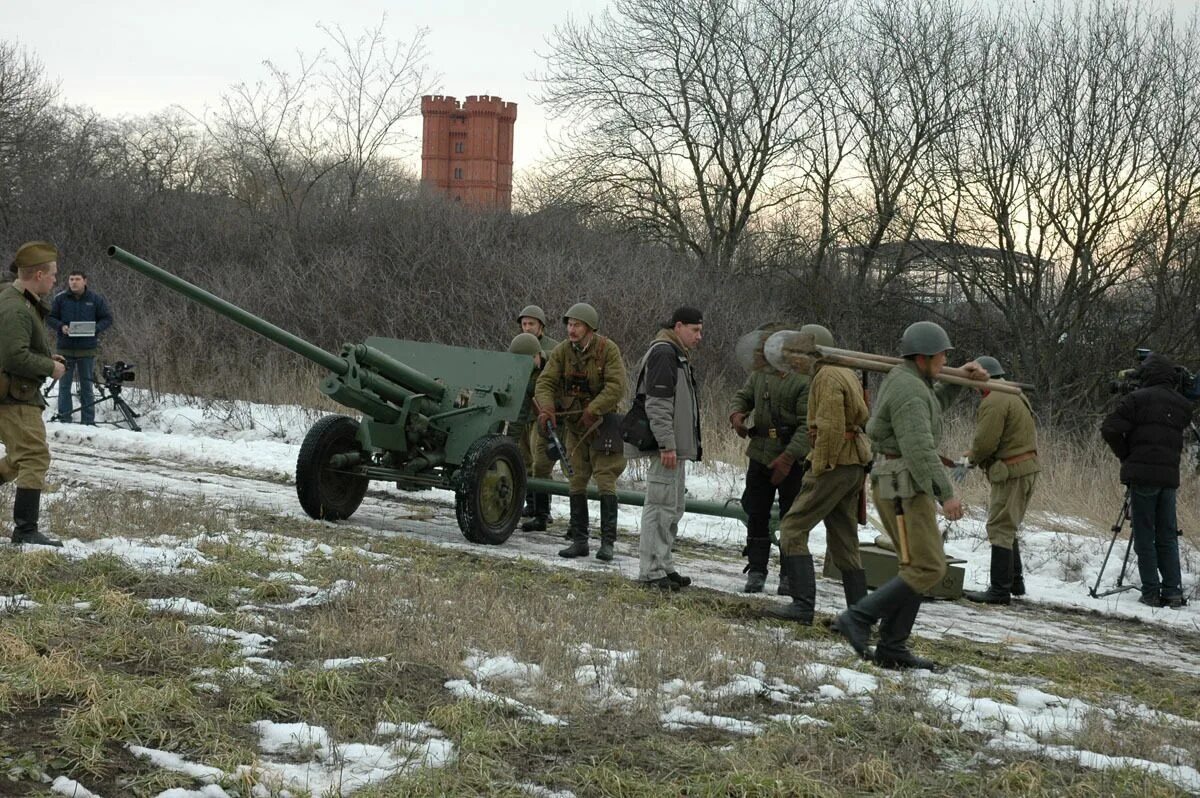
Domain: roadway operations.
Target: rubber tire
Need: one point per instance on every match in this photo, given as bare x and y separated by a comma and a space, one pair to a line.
327, 495
493, 463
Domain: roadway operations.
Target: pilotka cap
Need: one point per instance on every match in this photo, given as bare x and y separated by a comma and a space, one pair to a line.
34, 253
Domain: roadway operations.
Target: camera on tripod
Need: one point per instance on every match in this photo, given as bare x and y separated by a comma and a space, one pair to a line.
1186, 383
114, 374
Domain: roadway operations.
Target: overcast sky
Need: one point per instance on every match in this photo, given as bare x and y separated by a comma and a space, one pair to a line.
133, 57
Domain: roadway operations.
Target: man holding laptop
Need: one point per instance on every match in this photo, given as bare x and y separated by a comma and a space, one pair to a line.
78, 316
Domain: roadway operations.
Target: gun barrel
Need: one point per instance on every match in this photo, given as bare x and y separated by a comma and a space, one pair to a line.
232, 312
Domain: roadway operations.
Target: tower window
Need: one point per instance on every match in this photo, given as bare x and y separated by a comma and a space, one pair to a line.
458, 146
458, 173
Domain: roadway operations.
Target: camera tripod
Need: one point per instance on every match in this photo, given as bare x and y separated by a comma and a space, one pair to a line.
1121, 587
106, 392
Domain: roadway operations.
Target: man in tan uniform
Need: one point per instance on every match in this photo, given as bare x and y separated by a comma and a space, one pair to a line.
25, 361
581, 386
1004, 448
833, 482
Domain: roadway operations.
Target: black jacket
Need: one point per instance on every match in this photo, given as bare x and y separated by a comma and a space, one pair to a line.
1145, 431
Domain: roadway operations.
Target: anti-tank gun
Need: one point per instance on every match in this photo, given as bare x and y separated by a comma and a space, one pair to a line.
432, 416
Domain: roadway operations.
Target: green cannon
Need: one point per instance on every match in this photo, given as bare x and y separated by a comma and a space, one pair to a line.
432, 416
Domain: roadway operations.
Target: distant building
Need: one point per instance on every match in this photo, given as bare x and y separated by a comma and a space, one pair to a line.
467, 149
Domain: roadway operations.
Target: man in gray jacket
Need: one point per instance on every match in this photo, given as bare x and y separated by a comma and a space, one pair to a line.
673, 410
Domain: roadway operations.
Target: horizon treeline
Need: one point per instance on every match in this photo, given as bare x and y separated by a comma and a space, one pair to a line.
1027, 177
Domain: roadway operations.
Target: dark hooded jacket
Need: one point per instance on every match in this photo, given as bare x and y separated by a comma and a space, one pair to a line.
1145, 431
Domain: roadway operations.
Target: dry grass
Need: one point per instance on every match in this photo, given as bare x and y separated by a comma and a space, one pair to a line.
78, 681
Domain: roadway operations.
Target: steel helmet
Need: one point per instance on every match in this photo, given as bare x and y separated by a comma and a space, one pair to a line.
525, 344
924, 338
582, 311
991, 365
821, 335
533, 312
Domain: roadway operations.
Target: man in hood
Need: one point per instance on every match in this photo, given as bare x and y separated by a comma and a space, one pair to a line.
1145, 432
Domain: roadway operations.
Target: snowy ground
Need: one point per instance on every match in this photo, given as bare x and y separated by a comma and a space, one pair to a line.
244, 455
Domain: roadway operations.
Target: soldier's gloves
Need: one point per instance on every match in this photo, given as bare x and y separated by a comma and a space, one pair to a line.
546, 417
738, 422
959, 472
781, 466
587, 419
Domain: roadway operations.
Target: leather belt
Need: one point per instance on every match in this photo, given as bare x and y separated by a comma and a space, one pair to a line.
890, 456
1020, 458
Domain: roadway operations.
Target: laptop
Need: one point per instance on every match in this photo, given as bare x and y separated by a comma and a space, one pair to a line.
81, 329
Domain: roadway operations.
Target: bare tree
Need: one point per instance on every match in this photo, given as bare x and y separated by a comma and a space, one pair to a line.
25, 126
372, 86
684, 115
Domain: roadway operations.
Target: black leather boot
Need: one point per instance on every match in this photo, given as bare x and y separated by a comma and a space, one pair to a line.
855, 623
854, 586
578, 528
541, 514
802, 582
26, 509
758, 552
1018, 583
530, 509
608, 527
892, 651
785, 586
999, 591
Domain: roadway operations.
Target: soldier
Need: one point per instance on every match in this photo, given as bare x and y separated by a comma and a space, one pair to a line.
778, 441
532, 320
1005, 447
526, 344
583, 382
832, 485
906, 485
25, 361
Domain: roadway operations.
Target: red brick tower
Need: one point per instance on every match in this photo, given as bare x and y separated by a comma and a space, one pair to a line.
466, 149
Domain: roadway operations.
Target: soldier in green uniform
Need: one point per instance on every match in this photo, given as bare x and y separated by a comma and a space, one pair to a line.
778, 445
532, 320
581, 386
1005, 448
25, 361
833, 483
907, 485
526, 344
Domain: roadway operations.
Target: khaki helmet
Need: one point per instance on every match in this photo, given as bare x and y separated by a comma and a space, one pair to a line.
582, 311
533, 312
991, 365
924, 338
821, 335
525, 344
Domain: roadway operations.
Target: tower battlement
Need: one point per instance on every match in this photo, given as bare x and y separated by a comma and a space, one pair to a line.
466, 148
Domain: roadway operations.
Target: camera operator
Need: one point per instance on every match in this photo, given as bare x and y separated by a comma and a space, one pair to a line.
78, 303
1145, 432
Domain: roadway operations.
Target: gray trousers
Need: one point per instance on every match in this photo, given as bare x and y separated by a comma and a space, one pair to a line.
660, 519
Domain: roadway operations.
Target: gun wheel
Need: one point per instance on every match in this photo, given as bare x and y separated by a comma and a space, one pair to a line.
325, 493
491, 490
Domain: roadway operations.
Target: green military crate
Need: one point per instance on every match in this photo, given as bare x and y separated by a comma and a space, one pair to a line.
881, 564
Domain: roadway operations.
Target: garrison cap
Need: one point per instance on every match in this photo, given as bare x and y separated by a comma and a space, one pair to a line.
34, 253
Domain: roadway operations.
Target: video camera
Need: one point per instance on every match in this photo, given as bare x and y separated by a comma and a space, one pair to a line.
1187, 383
114, 374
